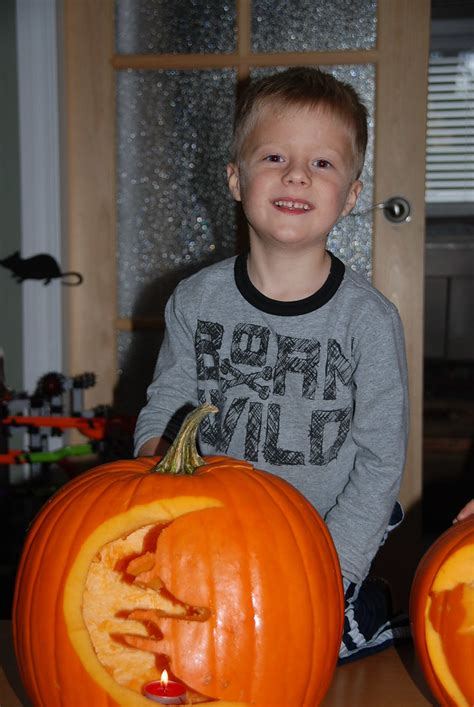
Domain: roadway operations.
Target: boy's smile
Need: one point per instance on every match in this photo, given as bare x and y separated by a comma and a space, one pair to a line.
292, 206
296, 177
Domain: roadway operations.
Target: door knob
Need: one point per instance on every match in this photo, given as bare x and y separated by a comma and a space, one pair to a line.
396, 209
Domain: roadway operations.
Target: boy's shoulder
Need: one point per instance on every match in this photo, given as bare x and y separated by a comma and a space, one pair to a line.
216, 272
362, 292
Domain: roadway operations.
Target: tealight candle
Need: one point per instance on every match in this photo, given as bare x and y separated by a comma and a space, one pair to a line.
165, 691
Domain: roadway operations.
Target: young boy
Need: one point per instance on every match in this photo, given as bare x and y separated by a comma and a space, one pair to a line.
303, 357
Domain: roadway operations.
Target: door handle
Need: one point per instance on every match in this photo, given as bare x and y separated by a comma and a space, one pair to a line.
396, 209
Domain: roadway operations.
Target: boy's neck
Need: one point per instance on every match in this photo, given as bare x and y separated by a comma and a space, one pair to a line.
285, 275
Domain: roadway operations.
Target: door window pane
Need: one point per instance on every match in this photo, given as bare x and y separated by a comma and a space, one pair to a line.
179, 27
351, 238
175, 214
313, 25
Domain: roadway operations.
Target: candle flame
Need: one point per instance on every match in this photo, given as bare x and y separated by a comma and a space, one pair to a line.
164, 678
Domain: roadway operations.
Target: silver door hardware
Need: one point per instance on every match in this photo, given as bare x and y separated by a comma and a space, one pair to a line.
396, 209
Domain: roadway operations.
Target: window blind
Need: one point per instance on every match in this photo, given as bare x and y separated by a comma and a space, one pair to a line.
450, 129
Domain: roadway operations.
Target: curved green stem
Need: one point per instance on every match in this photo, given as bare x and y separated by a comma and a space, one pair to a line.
182, 457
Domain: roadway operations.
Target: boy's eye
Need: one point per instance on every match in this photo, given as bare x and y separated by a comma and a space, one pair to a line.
322, 164
274, 158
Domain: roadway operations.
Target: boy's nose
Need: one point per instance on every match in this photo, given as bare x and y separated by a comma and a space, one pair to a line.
297, 174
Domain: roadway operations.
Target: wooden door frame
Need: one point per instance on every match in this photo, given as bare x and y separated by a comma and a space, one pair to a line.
90, 311
398, 250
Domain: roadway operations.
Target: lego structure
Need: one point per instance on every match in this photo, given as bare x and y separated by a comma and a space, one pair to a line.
45, 416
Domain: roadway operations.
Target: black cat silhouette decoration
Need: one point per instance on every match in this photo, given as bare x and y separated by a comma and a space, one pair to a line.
38, 267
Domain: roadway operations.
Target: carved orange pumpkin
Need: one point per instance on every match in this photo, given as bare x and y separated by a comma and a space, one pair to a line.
224, 575
442, 615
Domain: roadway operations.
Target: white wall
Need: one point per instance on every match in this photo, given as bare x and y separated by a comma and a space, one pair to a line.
40, 182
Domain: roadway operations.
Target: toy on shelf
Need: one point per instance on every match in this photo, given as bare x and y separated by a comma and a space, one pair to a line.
56, 406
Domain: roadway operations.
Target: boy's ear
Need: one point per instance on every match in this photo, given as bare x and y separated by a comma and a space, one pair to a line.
354, 191
233, 180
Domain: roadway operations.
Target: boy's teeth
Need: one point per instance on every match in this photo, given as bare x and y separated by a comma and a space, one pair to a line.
292, 205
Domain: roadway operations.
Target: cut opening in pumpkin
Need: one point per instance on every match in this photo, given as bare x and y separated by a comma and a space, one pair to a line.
121, 607
124, 602
449, 625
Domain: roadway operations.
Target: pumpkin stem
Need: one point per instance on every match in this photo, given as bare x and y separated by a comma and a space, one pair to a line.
182, 457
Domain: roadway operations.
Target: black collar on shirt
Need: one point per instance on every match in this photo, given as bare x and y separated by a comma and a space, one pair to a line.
288, 309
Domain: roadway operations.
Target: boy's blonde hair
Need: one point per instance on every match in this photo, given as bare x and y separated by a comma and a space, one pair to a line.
304, 87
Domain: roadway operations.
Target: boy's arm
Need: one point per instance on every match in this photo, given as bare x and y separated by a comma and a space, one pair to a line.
156, 446
173, 389
360, 516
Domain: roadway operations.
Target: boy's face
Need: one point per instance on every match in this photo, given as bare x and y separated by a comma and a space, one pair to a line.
296, 177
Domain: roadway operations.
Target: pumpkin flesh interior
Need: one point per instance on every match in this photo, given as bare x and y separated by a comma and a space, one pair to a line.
449, 625
99, 594
110, 596
178, 596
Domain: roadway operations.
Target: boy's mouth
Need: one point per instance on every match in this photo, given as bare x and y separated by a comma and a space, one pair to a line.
292, 205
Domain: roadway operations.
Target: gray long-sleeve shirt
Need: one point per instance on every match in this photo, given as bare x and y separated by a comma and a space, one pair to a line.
314, 391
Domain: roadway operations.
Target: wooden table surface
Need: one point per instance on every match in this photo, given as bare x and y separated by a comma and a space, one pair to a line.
391, 678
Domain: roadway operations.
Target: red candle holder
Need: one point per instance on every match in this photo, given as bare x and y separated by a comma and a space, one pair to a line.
166, 692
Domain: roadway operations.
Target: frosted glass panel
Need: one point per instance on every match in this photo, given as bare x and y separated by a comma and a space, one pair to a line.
174, 210
351, 238
181, 26
313, 25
